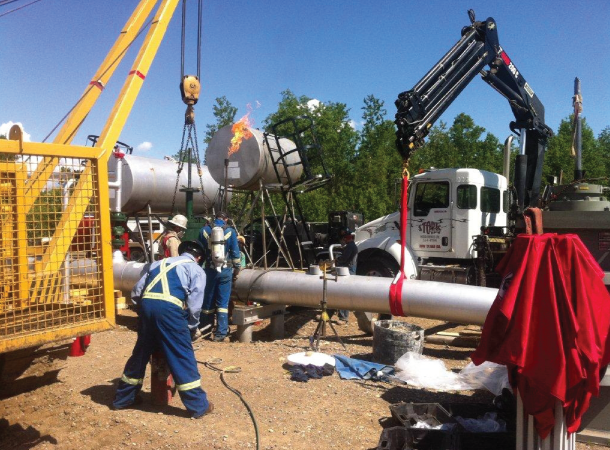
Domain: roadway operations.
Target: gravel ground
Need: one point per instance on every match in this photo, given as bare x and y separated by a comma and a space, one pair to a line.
329, 413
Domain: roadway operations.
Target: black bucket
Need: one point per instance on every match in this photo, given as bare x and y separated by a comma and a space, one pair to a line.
393, 338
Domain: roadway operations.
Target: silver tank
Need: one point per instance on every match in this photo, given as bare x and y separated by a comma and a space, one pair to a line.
148, 180
252, 162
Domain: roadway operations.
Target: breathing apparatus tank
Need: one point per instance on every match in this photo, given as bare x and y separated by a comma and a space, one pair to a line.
216, 244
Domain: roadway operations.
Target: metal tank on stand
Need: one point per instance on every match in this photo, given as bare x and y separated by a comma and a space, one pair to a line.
148, 181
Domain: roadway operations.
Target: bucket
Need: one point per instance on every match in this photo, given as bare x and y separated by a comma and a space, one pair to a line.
393, 338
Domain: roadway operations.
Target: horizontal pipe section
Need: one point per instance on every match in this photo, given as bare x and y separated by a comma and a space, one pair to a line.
426, 299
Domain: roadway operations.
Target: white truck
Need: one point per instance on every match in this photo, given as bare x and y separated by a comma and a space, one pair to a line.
447, 209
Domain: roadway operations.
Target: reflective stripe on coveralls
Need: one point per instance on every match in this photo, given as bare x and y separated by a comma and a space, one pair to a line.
162, 276
132, 381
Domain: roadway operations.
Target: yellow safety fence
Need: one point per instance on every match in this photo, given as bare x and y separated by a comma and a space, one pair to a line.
55, 243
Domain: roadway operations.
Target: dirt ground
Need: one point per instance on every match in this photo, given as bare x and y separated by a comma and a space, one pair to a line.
73, 413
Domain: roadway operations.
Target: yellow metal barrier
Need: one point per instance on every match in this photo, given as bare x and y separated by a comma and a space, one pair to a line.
55, 248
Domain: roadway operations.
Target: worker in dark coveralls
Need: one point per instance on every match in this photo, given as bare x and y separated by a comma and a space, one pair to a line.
222, 265
169, 297
349, 259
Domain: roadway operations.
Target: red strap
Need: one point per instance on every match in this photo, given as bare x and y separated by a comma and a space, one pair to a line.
396, 286
138, 73
98, 84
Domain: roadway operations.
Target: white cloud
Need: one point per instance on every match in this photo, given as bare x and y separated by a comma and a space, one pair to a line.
353, 124
313, 104
5, 128
144, 146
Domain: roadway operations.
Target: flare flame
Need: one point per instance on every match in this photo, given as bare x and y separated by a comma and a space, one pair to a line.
240, 131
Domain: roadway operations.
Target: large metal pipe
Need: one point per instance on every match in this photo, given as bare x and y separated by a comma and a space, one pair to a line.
426, 299
253, 161
126, 273
151, 181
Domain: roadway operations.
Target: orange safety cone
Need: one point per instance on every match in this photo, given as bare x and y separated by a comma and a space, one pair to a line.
162, 386
77, 348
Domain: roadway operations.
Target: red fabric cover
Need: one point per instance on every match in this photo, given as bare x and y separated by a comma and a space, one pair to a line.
550, 326
396, 286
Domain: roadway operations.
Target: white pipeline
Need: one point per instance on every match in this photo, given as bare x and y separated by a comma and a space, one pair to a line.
427, 299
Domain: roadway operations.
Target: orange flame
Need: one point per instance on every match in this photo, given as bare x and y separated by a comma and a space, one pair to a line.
240, 131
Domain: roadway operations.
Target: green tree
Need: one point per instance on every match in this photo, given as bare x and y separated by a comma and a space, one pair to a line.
558, 159
603, 142
224, 112
459, 146
337, 140
378, 164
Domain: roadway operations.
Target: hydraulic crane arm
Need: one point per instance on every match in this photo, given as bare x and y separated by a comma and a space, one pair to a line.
477, 49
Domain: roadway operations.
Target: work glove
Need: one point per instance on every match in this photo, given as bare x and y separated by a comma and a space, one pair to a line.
236, 271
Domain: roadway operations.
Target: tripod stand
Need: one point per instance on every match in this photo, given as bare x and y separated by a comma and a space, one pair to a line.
314, 340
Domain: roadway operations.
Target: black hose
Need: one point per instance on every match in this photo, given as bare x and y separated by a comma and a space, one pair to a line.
210, 365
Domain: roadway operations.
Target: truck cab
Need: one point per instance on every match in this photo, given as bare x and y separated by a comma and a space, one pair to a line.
447, 209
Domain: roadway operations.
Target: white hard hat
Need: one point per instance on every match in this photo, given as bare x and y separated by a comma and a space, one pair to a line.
179, 220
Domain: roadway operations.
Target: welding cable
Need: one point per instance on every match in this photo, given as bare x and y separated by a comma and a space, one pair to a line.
212, 365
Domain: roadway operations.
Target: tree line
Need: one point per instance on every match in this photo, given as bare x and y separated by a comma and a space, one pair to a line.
366, 167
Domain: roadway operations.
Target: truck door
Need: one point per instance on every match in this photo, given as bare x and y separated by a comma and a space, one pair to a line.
430, 221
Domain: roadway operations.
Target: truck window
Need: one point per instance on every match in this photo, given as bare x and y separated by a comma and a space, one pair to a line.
467, 196
505, 201
429, 196
490, 200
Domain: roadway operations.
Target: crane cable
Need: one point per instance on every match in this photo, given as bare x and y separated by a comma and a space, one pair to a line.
189, 87
15, 9
91, 86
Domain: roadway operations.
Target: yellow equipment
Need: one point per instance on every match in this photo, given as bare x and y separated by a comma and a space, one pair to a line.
190, 89
55, 235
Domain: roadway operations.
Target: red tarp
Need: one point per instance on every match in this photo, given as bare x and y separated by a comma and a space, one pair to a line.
550, 326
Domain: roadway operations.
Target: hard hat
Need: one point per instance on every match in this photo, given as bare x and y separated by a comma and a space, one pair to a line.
179, 220
241, 239
222, 215
191, 246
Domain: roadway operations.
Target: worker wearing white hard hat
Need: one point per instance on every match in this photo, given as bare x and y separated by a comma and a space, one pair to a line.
173, 235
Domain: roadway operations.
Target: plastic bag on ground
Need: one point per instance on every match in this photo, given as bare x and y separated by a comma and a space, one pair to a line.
489, 423
491, 376
420, 371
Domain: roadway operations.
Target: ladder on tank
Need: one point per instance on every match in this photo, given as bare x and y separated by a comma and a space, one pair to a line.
313, 174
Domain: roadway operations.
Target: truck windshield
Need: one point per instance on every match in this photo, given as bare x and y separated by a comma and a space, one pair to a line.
431, 195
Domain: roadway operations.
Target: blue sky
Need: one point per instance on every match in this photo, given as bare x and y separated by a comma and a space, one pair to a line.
339, 51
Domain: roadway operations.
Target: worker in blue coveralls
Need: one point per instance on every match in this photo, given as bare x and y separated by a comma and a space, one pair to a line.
169, 296
222, 265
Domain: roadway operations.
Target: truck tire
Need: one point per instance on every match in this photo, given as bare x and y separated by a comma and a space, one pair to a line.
375, 267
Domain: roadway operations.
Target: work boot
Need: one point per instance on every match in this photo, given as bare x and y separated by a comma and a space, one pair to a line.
218, 338
137, 401
210, 410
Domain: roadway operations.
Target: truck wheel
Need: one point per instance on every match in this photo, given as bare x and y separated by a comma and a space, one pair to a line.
375, 267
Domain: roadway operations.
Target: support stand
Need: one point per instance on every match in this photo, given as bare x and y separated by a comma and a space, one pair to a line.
314, 340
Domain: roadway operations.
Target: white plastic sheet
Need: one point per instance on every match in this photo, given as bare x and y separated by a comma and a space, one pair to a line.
420, 371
